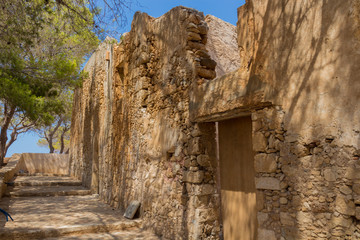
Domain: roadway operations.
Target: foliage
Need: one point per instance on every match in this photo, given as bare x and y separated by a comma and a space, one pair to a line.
110, 15
45, 58
56, 135
43, 44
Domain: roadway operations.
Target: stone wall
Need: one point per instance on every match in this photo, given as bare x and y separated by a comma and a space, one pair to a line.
8, 172
52, 163
91, 119
132, 138
305, 56
144, 121
298, 80
32, 163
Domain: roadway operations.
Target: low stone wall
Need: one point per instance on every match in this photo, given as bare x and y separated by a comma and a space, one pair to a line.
45, 163
33, 163
8, 172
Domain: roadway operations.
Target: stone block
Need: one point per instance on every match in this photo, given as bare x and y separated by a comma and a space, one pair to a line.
268, 183
357, 199
192, 36
192, 28
193, 177
283, 200
265, 163
204, 189
341, 221
194, 19
259, 142
290, 233
262, 218
299, 150
132, 209
203, 160
196, 132
202, 54
357, 213
286, 219
352, 173
141, 95
142, 83
356, 188
292, 138
195, 146
260, 200
206, 73
345, 190
285, 149
329, 175
203, 28
290, 170
344, 206
205, 215
143, 58
317, 161
272, 141
304, 217
257, 125
208, 63
265, 234
306, 161
196, 45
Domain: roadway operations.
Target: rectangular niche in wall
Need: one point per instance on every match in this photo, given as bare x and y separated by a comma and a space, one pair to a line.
237, 179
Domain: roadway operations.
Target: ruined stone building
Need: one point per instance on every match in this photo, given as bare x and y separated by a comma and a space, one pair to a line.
247, 132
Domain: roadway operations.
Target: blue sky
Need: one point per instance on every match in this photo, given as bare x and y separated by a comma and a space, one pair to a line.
225, 9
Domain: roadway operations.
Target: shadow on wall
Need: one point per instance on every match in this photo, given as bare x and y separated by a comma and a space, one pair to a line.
304, 52
152, 127
307, 52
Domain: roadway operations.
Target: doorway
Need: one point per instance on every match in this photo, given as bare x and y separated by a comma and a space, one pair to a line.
237, 179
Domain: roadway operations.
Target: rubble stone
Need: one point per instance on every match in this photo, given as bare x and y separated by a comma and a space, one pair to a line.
345, 206
265, 163
267, 183
144, 123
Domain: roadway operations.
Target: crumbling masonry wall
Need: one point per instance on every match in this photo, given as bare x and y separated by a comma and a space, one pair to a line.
307, 56
299, 81
132, 138
144, 121
155, 140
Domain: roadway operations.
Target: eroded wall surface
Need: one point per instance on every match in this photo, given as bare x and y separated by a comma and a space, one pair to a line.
132, 138
143, 124
91, 119
307, 56
299, 80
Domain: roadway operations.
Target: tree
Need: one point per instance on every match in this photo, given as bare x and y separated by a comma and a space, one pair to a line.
57, 141
19, 124
56, 135
109, 15
42, 48
43, 43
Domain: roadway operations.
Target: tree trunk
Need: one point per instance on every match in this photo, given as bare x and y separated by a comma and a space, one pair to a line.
51, 147
50, 136
8, 115
13, 138
62, 144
